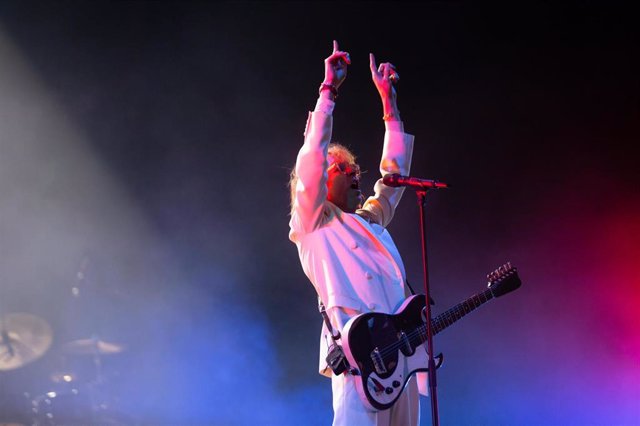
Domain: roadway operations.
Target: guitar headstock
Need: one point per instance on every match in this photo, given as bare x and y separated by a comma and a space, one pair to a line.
503, 280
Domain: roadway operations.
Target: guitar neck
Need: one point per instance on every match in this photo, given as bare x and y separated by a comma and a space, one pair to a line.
452, 315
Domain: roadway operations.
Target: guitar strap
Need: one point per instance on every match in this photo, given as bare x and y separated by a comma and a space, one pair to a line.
336, 359
325, 317
413, 293
406, 281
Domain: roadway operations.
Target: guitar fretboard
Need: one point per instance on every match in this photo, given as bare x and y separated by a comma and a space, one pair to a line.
452, 315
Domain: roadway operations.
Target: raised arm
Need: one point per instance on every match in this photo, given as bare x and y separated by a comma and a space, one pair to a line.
309, 186
335, 71
384, 78
398, 146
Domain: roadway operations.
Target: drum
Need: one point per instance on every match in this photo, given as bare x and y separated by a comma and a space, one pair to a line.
75, 405
63, 406
15, 409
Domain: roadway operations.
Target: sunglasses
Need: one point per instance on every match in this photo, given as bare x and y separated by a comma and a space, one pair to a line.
346, 169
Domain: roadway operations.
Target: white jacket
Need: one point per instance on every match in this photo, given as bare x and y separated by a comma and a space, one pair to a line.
351, 262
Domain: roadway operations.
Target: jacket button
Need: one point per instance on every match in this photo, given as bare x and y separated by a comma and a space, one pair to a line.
371, 306
368, 275
354, 245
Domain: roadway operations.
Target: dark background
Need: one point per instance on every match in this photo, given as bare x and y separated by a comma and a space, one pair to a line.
148, 145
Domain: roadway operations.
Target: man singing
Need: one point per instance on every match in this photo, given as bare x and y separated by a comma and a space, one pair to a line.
344, 247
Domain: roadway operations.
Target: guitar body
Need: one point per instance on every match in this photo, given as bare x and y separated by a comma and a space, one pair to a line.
386, 350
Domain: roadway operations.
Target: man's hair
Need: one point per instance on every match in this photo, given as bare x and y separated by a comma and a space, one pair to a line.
337, 153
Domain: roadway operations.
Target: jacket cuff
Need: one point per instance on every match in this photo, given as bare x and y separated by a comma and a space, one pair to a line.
394, 126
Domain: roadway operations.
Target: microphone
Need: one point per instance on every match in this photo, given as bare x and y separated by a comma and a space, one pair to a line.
395, 180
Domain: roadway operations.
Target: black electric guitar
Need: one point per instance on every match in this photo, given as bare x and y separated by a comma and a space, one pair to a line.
387, 349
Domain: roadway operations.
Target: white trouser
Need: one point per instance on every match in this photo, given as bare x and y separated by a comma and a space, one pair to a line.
348, 409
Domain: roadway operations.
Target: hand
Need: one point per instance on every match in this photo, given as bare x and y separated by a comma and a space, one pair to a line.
335, 66
384, 78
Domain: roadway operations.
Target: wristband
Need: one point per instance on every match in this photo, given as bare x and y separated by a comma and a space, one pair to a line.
330, 87
390, 116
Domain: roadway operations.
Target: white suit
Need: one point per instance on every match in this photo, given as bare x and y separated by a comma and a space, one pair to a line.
351, 261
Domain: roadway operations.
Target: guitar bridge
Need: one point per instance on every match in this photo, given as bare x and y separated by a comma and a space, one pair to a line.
378, 362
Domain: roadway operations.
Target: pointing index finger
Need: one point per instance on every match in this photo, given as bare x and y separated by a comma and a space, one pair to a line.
335, 46
372, 63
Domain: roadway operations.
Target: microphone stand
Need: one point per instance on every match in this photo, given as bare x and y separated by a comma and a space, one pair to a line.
422, 199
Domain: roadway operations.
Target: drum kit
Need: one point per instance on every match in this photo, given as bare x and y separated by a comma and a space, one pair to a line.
75, 390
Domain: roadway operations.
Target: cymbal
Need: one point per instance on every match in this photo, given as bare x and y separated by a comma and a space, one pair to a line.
91, 347
23, 339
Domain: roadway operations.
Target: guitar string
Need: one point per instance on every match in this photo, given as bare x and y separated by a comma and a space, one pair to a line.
437, 324
440, 322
